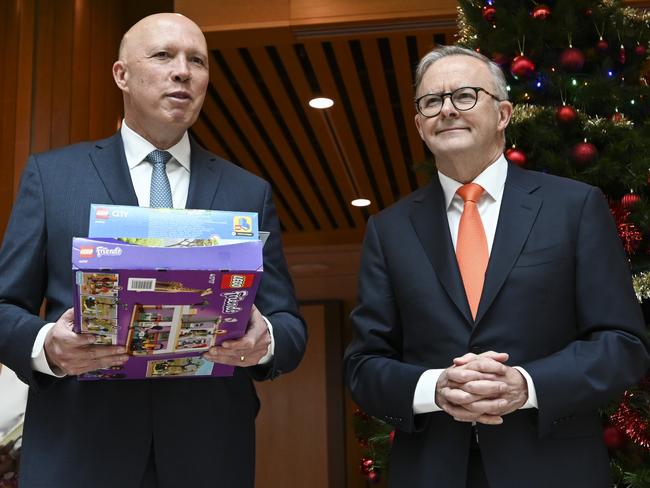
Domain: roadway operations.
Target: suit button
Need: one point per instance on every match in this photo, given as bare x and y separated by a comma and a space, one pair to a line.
476, 349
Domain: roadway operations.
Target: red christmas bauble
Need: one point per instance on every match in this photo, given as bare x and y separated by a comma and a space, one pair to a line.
489, 12
522, 67
541, 12
602, 45
367, 464
584, 153
629, 200
617, 117
572, 59
566, 114
516, 156
614, 438
374, 476
391, 436
640, 50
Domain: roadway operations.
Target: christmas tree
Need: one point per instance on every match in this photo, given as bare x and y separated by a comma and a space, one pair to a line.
578, 75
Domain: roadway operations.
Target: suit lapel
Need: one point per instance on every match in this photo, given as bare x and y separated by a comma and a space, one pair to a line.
205, 177
429, 219
519, 209
110, 163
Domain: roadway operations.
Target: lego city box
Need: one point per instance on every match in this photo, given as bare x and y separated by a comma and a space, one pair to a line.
167, 305
172, 226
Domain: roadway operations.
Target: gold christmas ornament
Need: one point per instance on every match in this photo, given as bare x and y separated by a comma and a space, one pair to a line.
641, 283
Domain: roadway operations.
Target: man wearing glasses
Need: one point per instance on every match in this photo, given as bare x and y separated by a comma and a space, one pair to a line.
496, 311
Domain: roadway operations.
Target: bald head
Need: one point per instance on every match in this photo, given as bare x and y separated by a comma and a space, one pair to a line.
162, 71
152, 24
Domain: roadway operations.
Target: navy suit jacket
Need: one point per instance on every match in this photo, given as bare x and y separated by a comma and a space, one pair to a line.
100, 434
557, 298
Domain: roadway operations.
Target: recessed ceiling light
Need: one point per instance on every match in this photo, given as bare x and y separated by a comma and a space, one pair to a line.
321, 102
360, 202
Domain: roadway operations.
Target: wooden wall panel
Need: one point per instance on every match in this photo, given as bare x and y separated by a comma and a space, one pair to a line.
235, 14
97, 76
23, 94
111, 106
300, 436
80, 88
56, 86
62, 72
16, 46
43, 62
256, 14
305, 12
8, 43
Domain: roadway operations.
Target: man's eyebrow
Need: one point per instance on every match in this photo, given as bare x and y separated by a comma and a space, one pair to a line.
156, 48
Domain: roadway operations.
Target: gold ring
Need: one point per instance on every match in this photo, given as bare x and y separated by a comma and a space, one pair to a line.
241, 358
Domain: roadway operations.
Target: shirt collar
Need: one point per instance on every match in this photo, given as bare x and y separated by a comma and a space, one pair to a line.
137, 147
492, 179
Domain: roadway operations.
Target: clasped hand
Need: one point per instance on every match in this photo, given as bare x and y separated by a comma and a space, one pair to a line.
481, 388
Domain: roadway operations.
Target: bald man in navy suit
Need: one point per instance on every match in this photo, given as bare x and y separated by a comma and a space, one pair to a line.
131, 434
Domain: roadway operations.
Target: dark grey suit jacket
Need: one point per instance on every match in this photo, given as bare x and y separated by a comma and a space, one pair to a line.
100, 434
557, 298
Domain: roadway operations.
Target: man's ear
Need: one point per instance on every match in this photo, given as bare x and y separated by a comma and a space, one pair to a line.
505, 114
120, 75
418, 125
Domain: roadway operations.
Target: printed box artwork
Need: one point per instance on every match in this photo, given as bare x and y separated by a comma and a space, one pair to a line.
171, 226
167, 305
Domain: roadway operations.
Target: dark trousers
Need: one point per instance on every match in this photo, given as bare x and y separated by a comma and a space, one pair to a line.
150, 479
475, 472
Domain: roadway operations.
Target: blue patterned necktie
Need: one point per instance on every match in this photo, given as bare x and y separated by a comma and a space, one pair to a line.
161, 192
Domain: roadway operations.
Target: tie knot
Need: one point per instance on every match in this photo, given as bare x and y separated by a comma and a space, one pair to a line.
157, 157
471, 192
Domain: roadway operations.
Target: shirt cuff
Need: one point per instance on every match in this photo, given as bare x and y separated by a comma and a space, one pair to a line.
271, 349
424, 399
531, 402
39, 360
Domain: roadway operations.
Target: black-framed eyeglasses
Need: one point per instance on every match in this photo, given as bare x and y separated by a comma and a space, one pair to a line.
463, 98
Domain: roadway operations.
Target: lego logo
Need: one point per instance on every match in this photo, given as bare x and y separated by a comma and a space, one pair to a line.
86, 251
237, 280
101, 213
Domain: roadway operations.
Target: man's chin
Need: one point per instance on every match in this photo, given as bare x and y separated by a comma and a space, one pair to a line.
452, 144
180, 118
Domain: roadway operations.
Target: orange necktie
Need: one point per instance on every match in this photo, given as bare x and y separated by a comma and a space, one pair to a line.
471, 245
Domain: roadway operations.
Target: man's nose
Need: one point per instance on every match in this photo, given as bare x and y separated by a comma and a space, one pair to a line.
182, 70
448, 109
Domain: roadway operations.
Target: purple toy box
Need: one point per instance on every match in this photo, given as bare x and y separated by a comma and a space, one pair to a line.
166, 305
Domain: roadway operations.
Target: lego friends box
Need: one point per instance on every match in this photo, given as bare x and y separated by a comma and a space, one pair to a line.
167, 304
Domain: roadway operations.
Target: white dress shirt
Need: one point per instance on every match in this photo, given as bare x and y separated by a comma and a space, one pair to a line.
493, 180
136, 149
